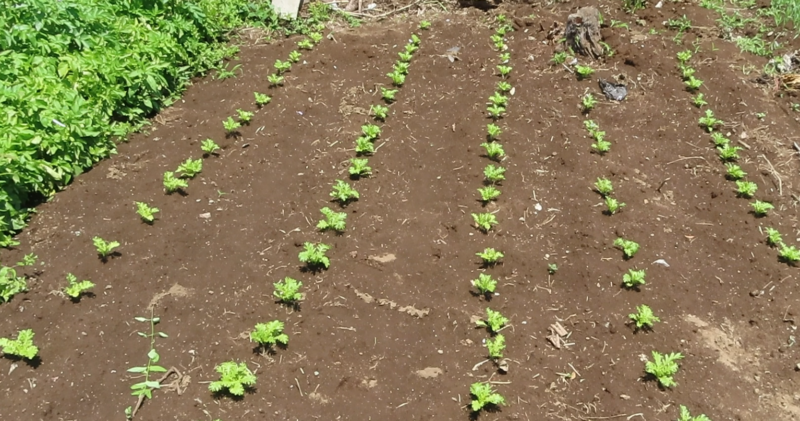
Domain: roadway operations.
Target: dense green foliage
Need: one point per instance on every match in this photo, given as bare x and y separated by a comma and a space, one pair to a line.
76, 74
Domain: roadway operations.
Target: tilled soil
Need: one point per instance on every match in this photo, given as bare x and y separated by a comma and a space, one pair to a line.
386, 331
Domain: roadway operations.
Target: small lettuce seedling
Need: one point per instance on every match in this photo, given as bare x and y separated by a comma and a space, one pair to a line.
425, 25
379, 112
583, 72
484, 395
494, 150
685, 415
404, 56
761, 208
364, 146
388, 95
22, 346
498, 99
262, 99
411, 48
245, 116
288, 290
591, 125
601, 146
734, 172
505, 57
494, 321
359, 167
493, 131
720, 140
773, 237
146, 212
628, 247
314, 255
234, 377
495, 111
209, 146
699, 100
484, 221
398, 79
504, 70
484, 284
401, 67
644, 317
191, 167
275, 79
282, 67
343, 192
333, 220
729, 153
294, 56
693, 83
746, 188
709, 122
104, 248
172, 183
371, 131
633, 278
503, 86
789, 254
588, 101
269, 334
488, 193
604, 186
315, 37
494, 174
684, 56
28, 260
231, 125
490, 256
10, 283
305, 44
552, 268
613, 205
74, 289
664, 367
496, 346
559, 58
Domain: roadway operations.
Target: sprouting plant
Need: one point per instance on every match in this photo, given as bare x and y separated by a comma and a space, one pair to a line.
74, 289
490, 256
411, 48
484, 284
498, 99
583, 72
735, 172
226, 73
503, 86
401, 67
275, 79
613, 205
305, 44
633, 278
773, 237
359, 167
484, 221
209, 146
288, 290
628, 247
269, 334
494, 150
684, 56
685, 415
504, 70
559, 57
501, 19
415, 39
588, 102
489, 193
505, 57
282, 67
314, 254
761, 208
664, 367
746, 188
729, 153
698, 100
379, 111
231, 125
424, 25
644, 317
294, 56
245, 116
28, 260
333, 220
22, 347
693, 83
371, 131
104, 248
591, 126
10, 283
495, 111
552, 268
484, 395
494, 320
343, 192
146, 212
172, 183
496, 346
364, 146
601, 146
191, 167
719, 139
398, 79
388, 94
493, 131
789, 254
709, 122
404, 56
234, 377
604, 186
687, 74
494, 174
144, 389
316, 37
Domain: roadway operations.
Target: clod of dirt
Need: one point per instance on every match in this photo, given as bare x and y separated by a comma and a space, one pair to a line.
613, 91
383, 258
503, 365
429, 372
583, 32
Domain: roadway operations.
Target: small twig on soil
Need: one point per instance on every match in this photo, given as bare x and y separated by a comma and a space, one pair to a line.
475, 367
683, 158
774, 174
298, 387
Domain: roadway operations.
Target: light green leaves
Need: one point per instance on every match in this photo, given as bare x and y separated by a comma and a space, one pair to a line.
172, 183
483, 395
628, 247
269, 334
343, 192
644, 317
664, 367
10, 283
288, 290
314, 255
146, 212
74, 289
490, 256
22, 346
633, 278
233, 377
484, 221
494, 321
484, 284
333, 220
104, 248
209, 146
496, 346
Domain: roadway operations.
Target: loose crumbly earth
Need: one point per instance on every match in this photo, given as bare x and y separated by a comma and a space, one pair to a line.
385, 333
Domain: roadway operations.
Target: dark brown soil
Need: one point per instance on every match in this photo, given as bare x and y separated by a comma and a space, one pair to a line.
385, 333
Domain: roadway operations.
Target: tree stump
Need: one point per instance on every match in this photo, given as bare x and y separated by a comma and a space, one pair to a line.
583, 32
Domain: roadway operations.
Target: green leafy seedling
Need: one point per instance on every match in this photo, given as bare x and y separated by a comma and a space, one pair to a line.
191, 167
709, 122
685, 415
505, 57
401, 67
494, 150
405, 57
699, 101
294, 56
379, 112
172, 183
761, 208
364, 146
687, 74
490, 256
773, 237
314, 255
504, 70
628, 247
494, 174
601, 146
245, 116
411, 48
388, 95
104, 248
644, 317
231, 125
359, 167
333, 220
209, 146
315, 37
484, 221
684, 56
503, 86
262, 99
22, 347
233, 377
146, 212
488, 193
74, 289
371, 131
559, 58
746, 188
498, 99
269, 334
692, 83
425, 25
495, 111
604, 186
728, 153
288, 290
496, 346
282, 67
664, 367
588, 101
720, 140
789, 254
28, 260
10, 283
398, 79
583, 72
633, 278
493, 131
613, 205
275, 79
343, 192
305, 44
552, 268
483, 395
144, 389
494, 321
484, 284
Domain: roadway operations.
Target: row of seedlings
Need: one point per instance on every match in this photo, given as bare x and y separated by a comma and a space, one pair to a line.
482, 392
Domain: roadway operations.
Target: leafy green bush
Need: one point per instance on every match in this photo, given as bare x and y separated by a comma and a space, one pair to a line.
76, 74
